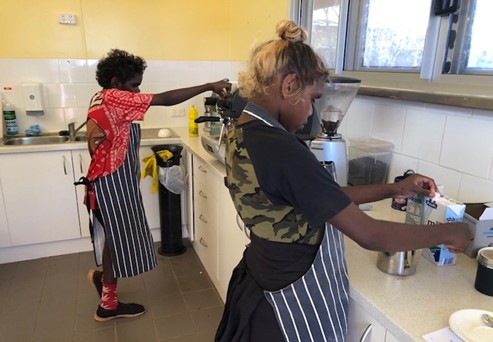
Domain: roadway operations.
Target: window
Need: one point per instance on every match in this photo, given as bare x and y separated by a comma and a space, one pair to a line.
427, 37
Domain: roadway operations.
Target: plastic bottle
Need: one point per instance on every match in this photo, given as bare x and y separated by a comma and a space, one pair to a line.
193, 128
11, 127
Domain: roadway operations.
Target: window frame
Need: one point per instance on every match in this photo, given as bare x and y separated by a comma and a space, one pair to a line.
472, 90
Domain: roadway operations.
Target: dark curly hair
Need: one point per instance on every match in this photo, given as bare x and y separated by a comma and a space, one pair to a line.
119, 64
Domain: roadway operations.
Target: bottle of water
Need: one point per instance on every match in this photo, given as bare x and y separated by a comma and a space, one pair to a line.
10, 119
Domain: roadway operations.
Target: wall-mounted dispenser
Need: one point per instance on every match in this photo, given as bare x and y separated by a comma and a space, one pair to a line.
32, 96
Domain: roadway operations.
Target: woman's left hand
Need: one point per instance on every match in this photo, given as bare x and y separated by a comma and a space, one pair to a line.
415, 185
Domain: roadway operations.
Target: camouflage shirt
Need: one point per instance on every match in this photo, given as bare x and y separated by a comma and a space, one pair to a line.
279, 188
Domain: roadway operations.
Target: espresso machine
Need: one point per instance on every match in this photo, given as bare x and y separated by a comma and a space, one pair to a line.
320, 132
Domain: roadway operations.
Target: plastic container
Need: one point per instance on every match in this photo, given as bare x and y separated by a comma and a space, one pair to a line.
369, 161
484, 273
193, 127
10, 119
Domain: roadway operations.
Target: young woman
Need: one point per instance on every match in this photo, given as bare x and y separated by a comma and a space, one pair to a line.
122, 240
292, 282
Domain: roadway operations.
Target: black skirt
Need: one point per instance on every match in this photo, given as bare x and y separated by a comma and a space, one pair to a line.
248, 316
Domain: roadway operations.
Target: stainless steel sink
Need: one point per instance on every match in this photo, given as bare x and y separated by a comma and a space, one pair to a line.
37, 140
81, 138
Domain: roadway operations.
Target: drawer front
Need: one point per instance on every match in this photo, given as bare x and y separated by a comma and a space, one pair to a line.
202, 173
205, 223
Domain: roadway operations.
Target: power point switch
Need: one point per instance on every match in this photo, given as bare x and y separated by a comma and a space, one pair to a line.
67, 19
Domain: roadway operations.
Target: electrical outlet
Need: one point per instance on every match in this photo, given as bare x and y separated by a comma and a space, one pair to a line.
67, 19
178, 112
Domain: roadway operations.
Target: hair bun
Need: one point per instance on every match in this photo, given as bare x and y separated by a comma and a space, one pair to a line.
288, 30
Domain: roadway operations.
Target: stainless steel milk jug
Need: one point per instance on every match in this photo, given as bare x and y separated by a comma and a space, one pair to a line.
398, 263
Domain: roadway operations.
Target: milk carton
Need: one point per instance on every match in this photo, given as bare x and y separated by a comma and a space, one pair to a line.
431, 211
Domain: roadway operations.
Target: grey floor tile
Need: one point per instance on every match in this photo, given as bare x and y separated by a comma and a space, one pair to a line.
136, 330
168, 305
198, 300
181, 302
174, 325
103, 335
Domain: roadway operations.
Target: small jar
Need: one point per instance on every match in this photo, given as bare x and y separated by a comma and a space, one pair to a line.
401, 203
484, 274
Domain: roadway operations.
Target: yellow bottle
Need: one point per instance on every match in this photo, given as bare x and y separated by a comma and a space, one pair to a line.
193, 128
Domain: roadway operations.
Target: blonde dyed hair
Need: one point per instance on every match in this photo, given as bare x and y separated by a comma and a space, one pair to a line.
289, 54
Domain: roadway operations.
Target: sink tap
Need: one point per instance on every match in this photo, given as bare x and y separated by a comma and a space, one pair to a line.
72, 131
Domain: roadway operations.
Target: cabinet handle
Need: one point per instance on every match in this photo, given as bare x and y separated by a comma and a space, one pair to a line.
202, 242
64, 166
202, 169
366, 333
202, 194
80, 163
202, 218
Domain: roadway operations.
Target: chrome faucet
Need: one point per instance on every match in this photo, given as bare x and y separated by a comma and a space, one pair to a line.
72, 131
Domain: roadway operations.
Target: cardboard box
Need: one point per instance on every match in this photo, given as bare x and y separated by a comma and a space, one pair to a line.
429, 211
479, 217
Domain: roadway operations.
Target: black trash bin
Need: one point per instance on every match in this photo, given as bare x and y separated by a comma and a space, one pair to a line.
169, 206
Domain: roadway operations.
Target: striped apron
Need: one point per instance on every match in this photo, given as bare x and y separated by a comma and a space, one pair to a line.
125, 224
314, 308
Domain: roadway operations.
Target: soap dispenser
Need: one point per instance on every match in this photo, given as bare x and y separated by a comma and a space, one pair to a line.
32, 96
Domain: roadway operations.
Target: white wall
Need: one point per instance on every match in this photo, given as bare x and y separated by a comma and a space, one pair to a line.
69, 84
453, 145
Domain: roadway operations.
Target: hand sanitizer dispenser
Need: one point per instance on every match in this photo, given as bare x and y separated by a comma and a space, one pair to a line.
32, 96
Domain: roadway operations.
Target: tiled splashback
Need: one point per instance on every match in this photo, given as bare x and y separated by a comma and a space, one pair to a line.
453, 145
68, 85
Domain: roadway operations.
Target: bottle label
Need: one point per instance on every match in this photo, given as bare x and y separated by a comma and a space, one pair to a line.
9, 114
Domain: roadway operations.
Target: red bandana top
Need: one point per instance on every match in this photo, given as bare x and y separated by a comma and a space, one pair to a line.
113, 111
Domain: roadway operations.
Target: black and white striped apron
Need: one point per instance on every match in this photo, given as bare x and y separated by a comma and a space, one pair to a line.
126, 229
314, 308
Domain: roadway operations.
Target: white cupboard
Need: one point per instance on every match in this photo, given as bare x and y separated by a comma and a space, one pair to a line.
39, 197
205, 184
81, 160
4, 226
232, 240
150, 199
219, 239
362, 327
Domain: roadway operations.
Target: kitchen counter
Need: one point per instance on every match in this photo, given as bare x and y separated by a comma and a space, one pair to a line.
407, 306
415, 305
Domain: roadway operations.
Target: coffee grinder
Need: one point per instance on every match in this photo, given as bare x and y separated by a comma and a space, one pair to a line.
329, 110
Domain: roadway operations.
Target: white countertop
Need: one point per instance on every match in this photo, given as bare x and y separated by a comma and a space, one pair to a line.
412, 306
408, 306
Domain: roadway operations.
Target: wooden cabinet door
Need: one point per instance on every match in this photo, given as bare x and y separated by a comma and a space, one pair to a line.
39, 196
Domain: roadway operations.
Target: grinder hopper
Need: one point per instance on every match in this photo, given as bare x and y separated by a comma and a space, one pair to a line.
338, 93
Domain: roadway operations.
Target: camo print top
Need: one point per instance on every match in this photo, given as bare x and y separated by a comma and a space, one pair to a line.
279, 188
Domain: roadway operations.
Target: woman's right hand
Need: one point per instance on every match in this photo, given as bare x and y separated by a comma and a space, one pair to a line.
461, 237
221, 87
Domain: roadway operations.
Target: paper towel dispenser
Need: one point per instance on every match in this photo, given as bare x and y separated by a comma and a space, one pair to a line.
32, 96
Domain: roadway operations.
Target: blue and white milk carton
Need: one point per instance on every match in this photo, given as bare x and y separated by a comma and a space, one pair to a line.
432, 211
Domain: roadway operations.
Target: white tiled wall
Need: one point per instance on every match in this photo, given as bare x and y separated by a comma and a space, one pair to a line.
453, 145
68, 86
